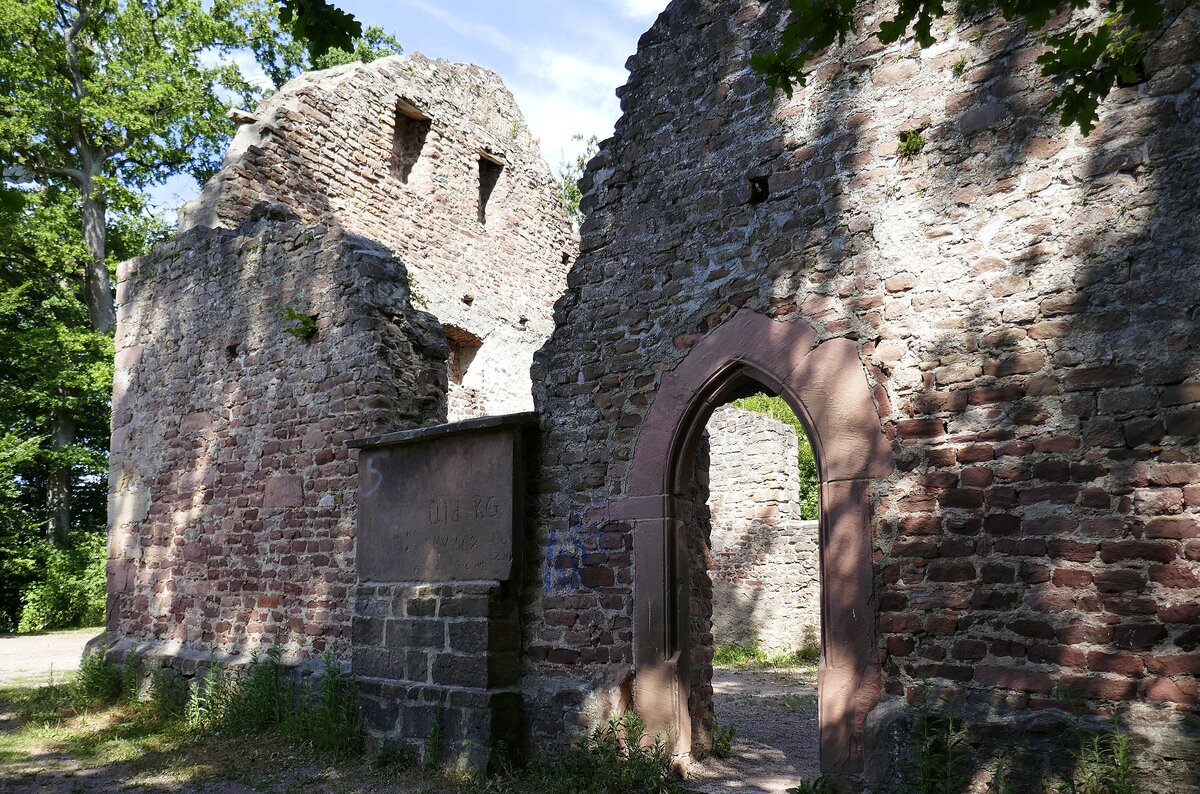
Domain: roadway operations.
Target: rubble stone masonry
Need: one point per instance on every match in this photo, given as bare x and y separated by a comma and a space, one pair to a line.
1023, 302
231, 488
400, 150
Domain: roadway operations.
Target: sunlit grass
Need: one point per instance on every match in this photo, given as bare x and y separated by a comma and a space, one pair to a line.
751, 657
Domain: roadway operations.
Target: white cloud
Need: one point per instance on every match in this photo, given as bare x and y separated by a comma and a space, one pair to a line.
641, 9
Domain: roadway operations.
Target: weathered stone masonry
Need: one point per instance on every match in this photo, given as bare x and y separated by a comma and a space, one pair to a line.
353, 197
1022, 302
399, 151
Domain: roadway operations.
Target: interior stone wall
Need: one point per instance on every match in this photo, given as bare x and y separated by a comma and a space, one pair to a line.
326, 146
1022, 300
765, 564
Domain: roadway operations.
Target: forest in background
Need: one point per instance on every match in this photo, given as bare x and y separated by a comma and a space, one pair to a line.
102, 100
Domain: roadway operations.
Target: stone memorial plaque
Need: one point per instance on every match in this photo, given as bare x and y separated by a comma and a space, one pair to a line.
439, 506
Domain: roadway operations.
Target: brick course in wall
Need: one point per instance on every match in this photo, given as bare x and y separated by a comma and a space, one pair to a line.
1022, 299
764, 556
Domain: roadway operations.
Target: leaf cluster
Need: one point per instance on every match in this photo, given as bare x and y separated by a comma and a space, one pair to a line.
1084, 62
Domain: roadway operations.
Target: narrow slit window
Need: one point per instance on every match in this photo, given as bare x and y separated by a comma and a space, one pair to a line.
408, 138
463, 347
489, 174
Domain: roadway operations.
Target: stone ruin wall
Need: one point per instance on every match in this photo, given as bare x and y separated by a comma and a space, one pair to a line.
232, 491
392, 151
1022, 299
231, 522
764, 564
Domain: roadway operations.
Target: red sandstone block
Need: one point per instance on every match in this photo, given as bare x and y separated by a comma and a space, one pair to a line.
941, 626
1119, 580
977, 477
1016, 678
1124, 663
1072, 577
900, 646
1074, 551
899, 623
1122, 550
1138, 636
1098, 688
1187, 612
966, 498
1017, 449
1049, 601
1037, 629
1010, 648
1056, 444
920, 428
1167, 690
1173, 527
1174, 576
976, 453
1052, 470
996, 573
1001, 524
1191, 550
920, 525
951, 572
1058, 494
990, 396
1174, 664
1063, 655
938, 479
941, 457
994, 599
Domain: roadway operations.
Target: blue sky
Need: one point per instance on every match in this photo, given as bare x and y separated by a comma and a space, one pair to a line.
562, 59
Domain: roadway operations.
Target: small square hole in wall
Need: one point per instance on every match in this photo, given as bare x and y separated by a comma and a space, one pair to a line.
1138, 76
489, 174
463, 347
759, 189
408, 138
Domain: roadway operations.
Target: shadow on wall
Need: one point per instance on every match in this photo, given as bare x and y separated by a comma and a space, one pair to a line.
1037, 371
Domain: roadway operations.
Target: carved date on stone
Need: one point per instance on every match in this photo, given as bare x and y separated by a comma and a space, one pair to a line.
439, 509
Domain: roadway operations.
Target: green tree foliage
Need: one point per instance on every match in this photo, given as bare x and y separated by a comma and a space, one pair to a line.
810, 482
1085, 60
569, 174
55, 368
99, 99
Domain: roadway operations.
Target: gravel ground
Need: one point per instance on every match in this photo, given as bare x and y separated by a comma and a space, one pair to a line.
30, 658
775, 713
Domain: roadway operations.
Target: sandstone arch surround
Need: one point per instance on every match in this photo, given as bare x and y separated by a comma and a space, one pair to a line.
827, 387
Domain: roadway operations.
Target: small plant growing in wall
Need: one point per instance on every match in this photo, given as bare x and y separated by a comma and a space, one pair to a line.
960, 66
911, 144
306, 327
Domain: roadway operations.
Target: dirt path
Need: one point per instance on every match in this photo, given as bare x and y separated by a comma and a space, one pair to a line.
29, 658
775, 713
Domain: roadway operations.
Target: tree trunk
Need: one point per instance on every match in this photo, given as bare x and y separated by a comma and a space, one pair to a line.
97, 287
61, 479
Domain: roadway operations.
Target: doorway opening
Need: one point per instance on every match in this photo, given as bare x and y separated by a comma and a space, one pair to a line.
755, 604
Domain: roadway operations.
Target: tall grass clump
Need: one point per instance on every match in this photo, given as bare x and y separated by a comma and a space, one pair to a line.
262, 696
612, 759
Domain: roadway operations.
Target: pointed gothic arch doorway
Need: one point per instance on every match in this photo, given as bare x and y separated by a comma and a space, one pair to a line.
826, 386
